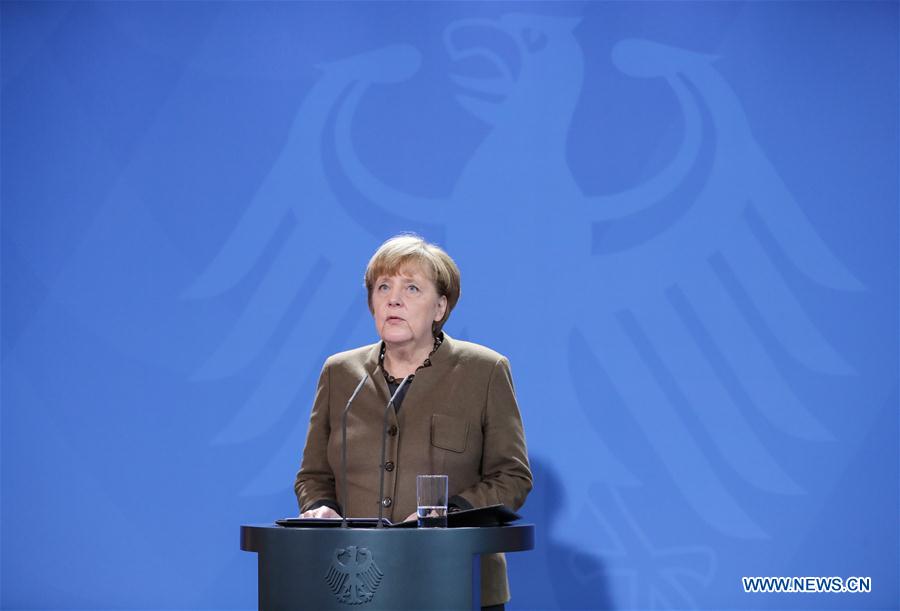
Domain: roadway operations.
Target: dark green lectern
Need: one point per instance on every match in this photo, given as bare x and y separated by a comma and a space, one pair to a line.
371, 568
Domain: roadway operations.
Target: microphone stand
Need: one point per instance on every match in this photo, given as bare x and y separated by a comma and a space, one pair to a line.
384, 450
346, 503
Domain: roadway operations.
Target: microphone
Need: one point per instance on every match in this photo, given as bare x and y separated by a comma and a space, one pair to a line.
346, 503
384, 449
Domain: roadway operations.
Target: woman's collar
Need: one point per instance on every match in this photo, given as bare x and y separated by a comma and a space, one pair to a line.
438, 342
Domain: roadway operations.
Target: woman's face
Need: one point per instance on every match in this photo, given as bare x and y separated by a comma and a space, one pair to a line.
404, 306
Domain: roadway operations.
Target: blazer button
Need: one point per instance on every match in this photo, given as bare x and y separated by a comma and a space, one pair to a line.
386, 501
393, 430
388, 466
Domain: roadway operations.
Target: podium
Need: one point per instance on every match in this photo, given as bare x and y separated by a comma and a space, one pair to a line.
375, 568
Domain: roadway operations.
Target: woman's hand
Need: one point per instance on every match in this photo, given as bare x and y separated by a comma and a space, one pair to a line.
413, 516
320, 512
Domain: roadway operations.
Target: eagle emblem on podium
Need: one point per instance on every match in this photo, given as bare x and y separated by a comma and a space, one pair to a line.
353, 576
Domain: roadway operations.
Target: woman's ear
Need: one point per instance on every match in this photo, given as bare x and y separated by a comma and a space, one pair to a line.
441, 309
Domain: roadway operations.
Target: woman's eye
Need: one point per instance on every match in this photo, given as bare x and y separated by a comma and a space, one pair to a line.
413, 288
382, 287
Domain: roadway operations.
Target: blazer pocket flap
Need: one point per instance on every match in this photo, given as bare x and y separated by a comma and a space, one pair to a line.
449, 433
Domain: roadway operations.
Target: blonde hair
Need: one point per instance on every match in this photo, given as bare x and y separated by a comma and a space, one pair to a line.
410, 249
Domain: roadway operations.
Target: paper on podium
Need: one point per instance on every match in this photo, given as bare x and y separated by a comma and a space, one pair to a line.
494, 515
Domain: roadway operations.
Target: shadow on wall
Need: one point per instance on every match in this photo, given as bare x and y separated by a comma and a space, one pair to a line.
555, 575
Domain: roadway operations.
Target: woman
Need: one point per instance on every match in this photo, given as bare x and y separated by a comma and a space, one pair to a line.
457, 414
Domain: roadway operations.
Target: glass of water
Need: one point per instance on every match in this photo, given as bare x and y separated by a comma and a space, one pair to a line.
431, 500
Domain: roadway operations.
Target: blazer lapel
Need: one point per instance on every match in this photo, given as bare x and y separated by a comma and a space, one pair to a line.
427, 377
376, 376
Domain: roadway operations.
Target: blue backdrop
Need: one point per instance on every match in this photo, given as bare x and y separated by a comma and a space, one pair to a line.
678, 220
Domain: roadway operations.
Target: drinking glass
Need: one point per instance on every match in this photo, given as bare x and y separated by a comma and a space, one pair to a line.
431, 500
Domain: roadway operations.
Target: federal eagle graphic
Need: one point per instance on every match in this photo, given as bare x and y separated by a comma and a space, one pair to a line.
690, 266
353, 576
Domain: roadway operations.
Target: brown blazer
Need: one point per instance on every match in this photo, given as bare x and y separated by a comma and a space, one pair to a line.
459, 418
